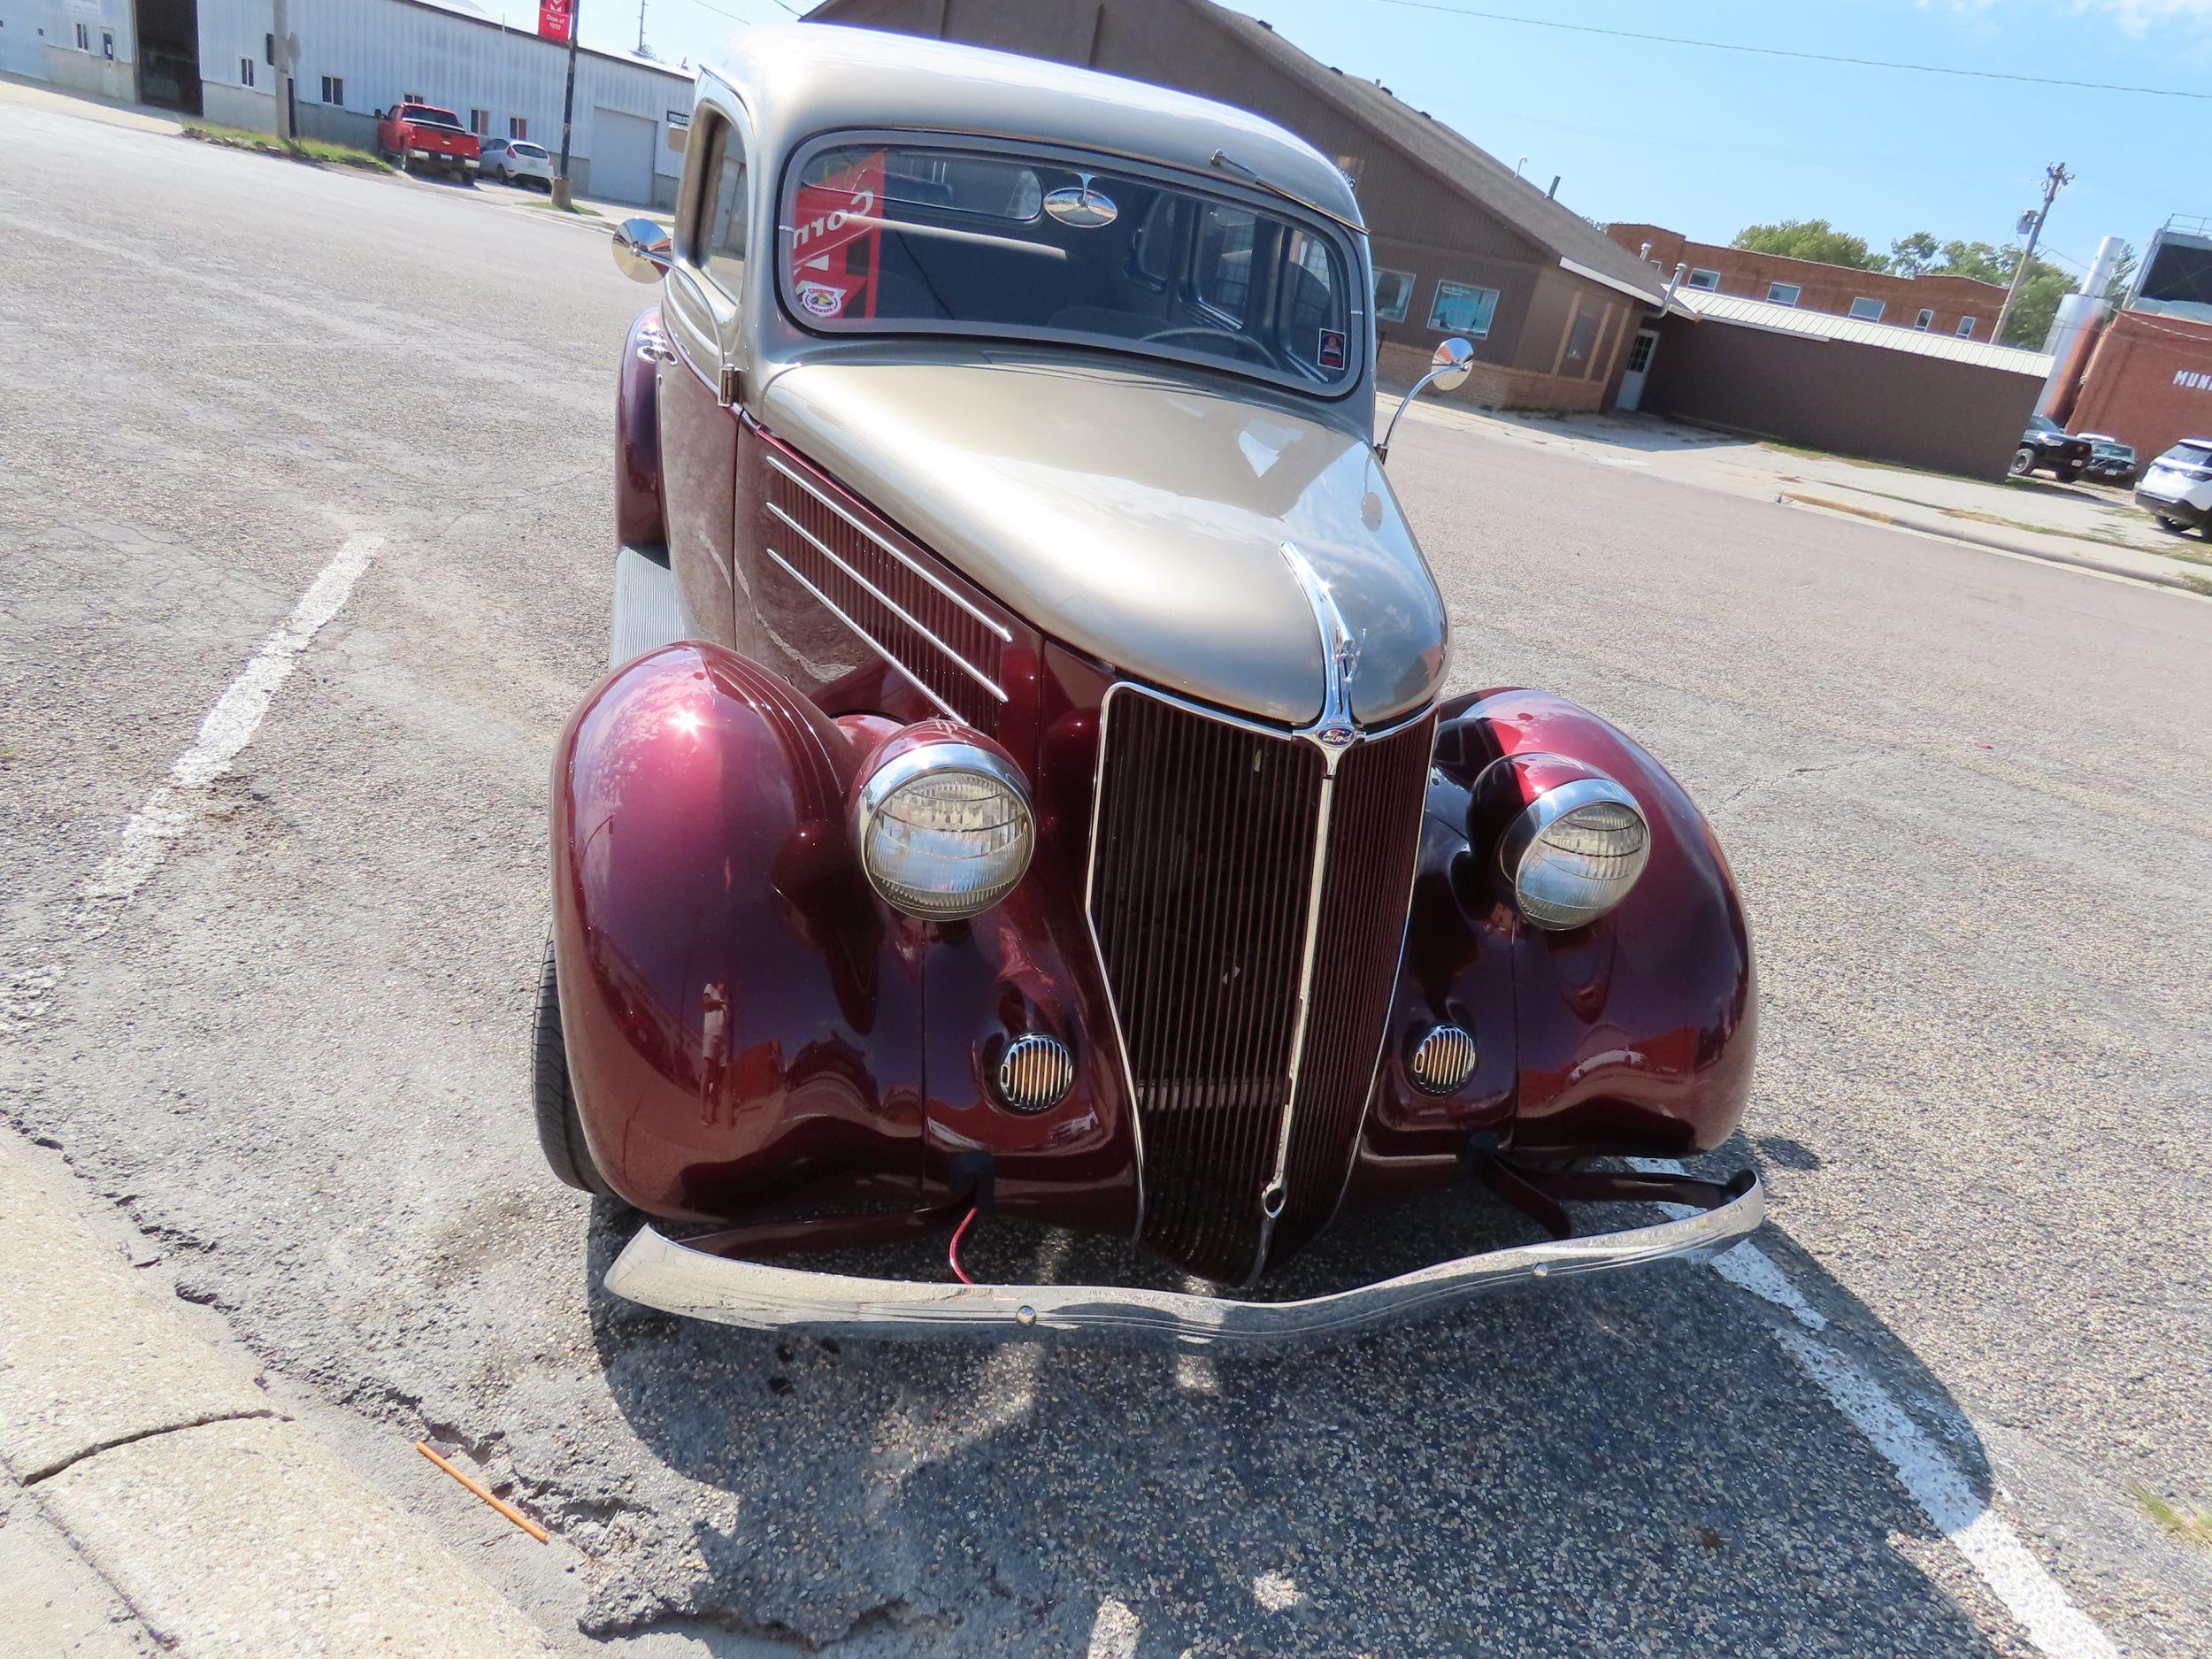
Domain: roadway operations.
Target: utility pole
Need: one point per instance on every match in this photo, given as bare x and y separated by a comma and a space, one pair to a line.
560, 191
641, 28
280, 60
2056, 178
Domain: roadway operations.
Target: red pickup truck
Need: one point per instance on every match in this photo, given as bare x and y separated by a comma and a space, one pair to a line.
410, 133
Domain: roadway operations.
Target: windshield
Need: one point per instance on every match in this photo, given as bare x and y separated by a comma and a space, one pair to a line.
2043, 423
535, 152
925, 238
422, 115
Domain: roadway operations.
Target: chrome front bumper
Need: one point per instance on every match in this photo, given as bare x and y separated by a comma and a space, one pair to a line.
661, 1274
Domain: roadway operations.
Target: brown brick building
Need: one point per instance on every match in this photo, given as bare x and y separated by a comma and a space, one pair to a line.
1934, 304
1461, 245
2148, 384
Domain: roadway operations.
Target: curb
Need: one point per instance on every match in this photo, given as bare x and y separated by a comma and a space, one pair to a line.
2200, 588
225, 1524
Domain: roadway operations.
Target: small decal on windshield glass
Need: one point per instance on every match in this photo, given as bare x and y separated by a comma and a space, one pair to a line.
1330, 352
1083, 206
821, 299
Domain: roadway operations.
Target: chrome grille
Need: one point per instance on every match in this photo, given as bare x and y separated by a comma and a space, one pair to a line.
1202, 886
1374, 834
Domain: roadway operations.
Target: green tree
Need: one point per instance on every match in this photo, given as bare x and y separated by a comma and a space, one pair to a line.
1976, 259
1810, 238
1909, 256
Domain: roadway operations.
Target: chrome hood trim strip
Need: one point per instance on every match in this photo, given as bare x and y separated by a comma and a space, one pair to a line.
658, 1272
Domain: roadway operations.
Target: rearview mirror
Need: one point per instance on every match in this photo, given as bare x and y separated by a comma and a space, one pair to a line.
642, 251
1449, 366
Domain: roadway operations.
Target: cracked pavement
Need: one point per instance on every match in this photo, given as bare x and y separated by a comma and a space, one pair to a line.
1966, 797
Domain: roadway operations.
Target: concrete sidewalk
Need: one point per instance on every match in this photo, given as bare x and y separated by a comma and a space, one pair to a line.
160, 1498
2089, 527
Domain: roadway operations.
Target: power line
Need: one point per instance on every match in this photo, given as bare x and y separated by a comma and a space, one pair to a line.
1781, 51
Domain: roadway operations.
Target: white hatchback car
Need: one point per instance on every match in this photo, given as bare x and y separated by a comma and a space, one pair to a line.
516, 159
2176, 488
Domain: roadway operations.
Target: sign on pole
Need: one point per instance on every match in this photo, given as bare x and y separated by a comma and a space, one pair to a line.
556, 18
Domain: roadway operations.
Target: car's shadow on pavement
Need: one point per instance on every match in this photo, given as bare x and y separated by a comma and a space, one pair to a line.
1628, 1462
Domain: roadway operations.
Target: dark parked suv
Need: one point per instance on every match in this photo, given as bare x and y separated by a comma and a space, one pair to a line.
2047, 447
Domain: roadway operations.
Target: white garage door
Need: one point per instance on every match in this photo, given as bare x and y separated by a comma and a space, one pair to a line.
22, 50
621, 156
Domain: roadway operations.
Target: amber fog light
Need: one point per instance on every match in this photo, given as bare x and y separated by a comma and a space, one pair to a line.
945, 830
1574, 852
1442, 1061
1035, 1073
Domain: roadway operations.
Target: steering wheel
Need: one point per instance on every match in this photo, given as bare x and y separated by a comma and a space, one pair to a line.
1265, 354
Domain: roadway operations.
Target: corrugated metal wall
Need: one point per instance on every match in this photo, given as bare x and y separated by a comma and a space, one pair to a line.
385, 49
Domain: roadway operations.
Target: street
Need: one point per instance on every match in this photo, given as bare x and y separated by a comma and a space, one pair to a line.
278, 1014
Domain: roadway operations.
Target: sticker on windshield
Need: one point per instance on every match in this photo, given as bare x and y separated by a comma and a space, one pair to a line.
819, 299
1330, 352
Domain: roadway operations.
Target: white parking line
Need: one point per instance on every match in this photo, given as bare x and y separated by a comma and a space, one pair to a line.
228, 727
2054, 1624
169, 808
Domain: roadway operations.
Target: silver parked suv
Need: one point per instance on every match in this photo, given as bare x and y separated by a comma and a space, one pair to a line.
2176, 488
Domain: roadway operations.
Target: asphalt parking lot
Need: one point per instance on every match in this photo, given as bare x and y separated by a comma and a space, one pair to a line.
280, 1020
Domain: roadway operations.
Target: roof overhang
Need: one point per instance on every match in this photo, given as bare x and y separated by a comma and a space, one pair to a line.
1574, 267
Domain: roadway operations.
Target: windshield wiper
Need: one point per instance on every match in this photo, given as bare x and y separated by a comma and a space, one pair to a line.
1227, 162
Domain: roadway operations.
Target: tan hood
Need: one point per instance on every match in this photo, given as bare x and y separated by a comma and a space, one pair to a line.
1138, 517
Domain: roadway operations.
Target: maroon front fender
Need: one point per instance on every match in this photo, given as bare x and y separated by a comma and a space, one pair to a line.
1637, 1032
1634, 1034
744, 1016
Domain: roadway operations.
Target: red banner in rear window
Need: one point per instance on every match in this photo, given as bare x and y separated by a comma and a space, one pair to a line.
835, 240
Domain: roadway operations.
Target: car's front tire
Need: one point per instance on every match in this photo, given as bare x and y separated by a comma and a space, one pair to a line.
2023, 462
560, 1131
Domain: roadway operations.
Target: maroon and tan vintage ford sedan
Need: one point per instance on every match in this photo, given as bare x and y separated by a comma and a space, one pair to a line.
1025, 783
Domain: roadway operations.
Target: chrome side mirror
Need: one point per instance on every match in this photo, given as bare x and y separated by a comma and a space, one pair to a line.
1449, 369
642, 251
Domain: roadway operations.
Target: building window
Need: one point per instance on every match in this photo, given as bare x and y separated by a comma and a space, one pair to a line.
333, 89
107, 44
1393, 293
1867, 311
1784, 292
84, 38
518, 127
268, 51
1925, 320
245, 72
1459, 308
1704, 280
1582, 335
1966, 327
480, 123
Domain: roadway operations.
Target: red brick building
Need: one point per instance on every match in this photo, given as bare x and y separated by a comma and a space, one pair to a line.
2148, 383
1934, 304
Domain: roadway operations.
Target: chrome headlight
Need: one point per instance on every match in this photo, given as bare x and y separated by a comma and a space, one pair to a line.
1573, 852
944, 830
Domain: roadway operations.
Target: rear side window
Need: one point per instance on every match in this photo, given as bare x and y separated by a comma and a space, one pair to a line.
719, 241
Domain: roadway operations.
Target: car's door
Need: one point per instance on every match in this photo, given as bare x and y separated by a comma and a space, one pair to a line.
698, 414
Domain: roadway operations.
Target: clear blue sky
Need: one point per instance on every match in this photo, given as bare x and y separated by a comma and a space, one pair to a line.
1708, 142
